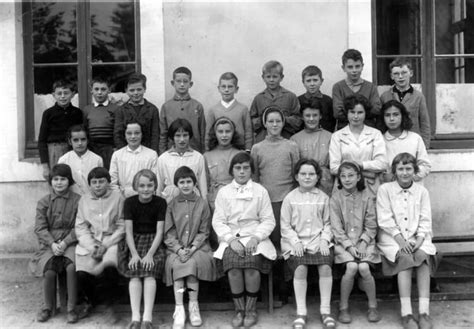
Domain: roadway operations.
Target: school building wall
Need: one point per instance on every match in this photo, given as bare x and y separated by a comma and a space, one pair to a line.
211, 38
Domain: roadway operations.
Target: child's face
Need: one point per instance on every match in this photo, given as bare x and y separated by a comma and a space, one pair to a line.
135, 92
393, 118
224, 134
100, 92
242, 172
312, 83
272, 79
99, 186
311, 118
181, 140
60, 184
78, 142
353, 69
356, 116
401, 76
274, 124
349, 178
307, 177
186, 185
133, 135
181, 83
227, 89
404, 174
145, 188
63, 96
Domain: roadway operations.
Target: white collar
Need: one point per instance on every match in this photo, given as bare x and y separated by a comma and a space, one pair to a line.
96, 104
229, 104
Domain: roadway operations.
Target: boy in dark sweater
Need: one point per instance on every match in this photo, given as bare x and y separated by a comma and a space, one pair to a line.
352, 65
137, 109
99, 119
312, 81
55, 123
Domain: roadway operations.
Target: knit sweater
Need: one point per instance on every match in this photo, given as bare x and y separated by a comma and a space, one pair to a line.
99, 122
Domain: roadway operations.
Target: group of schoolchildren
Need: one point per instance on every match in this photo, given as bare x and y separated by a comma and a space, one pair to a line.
220, 199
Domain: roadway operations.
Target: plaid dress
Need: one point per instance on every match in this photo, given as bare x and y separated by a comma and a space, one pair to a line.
307, 259
232, 260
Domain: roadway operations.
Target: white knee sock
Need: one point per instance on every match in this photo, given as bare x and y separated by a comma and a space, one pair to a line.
406, 305
135, 290
300, 287
325, 288
424, 305
149, 293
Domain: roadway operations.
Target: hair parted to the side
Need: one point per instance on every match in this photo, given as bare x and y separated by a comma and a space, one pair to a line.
272, 65
178, 124
350, 165
315, 104
241, 157
353, 54
404, 158
64, 84
137, 78
62, 170
97, 173
144, 173
399, 62
184, 172
77, 129
406, 123
309, 162
229, 76
351, 101
310, 71
183, 70
213, 142
100, 79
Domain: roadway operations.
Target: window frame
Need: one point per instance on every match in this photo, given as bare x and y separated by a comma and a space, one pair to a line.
428, 59
84, 64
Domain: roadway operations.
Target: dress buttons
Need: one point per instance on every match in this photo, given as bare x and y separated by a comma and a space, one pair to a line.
406, 218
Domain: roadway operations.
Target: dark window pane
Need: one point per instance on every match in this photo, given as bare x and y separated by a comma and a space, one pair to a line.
54, 32
113, 31
116, 74
454, 22
383, 71
398, 27
455, 70
45, 77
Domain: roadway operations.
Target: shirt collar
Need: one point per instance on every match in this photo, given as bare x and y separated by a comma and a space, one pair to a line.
229, 104
139, 104
396, 90
63, 196
105, 196
345, 193
97, 104
186, 97
354, 84
400, 190
317, 94
390, 137
314, 190
173, 150
136, 151
279, 92
182, 198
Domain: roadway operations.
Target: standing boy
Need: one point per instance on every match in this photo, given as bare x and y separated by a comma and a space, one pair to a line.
274, 94
137, 109
414, 101
182, 106
352, 65
232, 109
56, 120
99, 119
312, 81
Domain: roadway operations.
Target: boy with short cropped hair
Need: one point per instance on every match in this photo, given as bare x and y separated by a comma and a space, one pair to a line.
352, 65
313, 142
99, 120
56, 120
312, 77
182, 106
137, 109
229, 107
274, 94
414, 101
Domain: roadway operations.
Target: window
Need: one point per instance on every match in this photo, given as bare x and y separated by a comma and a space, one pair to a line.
438, 36
75, 41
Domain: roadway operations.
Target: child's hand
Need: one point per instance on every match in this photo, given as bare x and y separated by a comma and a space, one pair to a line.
56, 248
147, 262
418, 243
251, 246
353, 251
134, 261
182, 254
98, 253
237, 247
324, 247
299, 249
362, 249
404, 245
